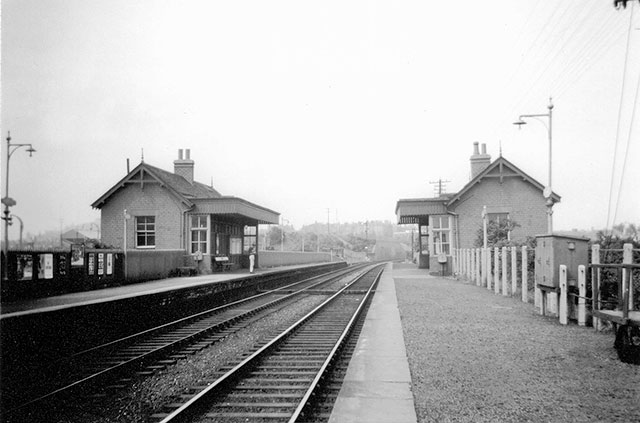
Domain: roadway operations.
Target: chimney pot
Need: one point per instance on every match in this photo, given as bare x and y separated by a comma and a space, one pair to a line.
184, 166
479, 162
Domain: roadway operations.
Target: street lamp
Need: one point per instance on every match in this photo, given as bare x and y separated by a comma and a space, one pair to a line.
547, 193
8, 201
21, 227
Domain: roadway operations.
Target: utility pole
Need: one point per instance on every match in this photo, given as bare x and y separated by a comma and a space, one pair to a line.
328, 224
440, 186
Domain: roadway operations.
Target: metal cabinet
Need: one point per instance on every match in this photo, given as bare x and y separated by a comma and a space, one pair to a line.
554, 250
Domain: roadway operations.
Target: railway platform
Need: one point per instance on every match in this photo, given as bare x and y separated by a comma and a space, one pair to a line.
377, 386
39, 305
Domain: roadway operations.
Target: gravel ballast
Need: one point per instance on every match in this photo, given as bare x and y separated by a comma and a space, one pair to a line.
479, 357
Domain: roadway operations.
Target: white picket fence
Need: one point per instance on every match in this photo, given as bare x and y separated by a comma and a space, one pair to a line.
495, 268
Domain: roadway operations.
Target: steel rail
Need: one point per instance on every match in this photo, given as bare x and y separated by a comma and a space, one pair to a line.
304, 402
149, 355
192, 406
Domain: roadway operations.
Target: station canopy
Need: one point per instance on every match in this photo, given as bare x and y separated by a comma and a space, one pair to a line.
417, 210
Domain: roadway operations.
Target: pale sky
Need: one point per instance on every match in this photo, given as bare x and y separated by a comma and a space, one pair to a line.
301, 106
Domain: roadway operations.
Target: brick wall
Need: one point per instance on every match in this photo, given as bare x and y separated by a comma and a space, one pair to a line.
524, 203
150, 200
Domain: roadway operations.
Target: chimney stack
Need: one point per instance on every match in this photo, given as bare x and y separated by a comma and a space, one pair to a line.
479, 162
184, 165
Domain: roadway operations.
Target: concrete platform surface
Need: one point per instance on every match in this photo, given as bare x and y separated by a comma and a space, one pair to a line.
377, 386
37, 305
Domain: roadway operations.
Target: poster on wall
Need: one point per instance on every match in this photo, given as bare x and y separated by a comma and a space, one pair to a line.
77, 255
109, 263
45, 270
62, 264
100, 264
24, 268
91, 264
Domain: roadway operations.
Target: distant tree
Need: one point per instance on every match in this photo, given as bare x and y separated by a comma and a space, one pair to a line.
623, 3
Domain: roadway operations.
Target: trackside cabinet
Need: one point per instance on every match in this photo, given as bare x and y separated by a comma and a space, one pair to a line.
552, 251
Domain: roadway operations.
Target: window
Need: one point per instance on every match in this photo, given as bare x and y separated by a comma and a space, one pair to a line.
498, 217
145, 231
441, 234
250, 238
199, 229
499, 227
236, 245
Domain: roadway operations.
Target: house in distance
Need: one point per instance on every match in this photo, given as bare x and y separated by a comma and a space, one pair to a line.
498, 190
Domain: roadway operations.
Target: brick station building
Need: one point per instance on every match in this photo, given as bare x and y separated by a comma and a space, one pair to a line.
451, 221
154, 210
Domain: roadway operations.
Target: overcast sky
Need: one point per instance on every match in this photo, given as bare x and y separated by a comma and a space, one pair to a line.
301, 106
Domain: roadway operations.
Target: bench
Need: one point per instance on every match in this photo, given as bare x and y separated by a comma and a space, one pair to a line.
222, 263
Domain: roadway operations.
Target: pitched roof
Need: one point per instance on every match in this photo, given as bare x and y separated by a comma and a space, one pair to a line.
178, 186
500, 168
205, 198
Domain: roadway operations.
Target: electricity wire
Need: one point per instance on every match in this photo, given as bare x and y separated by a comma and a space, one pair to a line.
615, 150
626, 152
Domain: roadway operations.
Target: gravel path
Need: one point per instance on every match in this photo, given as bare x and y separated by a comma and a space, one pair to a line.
478, 357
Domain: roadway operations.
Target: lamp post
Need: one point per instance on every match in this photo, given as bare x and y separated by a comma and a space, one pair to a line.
8, 201
548, 192
21, 228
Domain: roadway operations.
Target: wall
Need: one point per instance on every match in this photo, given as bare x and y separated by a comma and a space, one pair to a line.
286, 258
152, 264
524, 202
152, 200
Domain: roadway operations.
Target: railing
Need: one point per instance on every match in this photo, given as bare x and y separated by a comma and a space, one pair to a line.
505, 270
624, 303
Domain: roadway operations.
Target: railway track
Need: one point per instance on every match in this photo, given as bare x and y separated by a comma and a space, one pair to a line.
114, 364
284, 379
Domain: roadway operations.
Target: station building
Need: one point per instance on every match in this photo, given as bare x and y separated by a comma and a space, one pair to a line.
498, 189
154, 210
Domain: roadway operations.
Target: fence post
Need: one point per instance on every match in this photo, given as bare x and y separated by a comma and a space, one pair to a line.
595, 283
582, 292
466, 262
505, 287
514, 270
469, 264
488, 262
525, 275
470, 270
627, 258
483, 267
496, 269
471, 267
478, 267
463, 260
562, 309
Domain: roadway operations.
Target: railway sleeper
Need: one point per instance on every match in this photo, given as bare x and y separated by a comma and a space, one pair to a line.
249, 416
251, 405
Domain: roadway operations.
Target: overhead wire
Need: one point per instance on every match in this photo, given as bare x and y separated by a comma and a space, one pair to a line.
626, 152
590, 54
564, 48
615, 149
